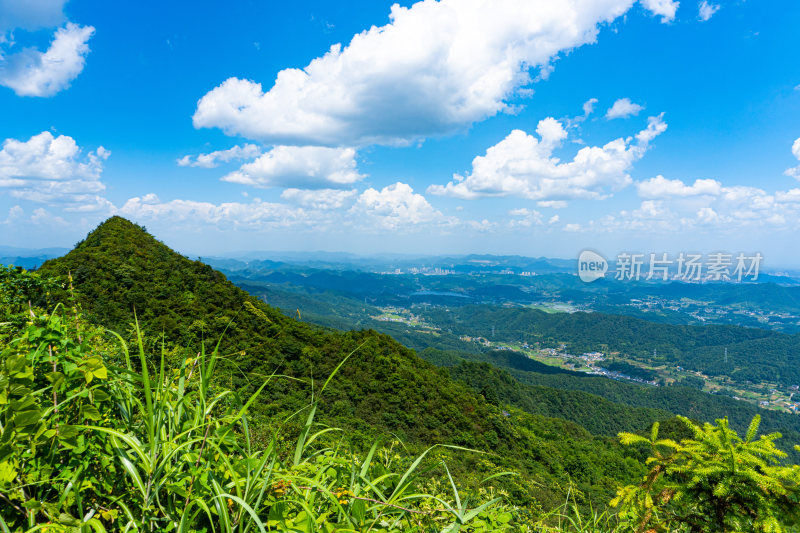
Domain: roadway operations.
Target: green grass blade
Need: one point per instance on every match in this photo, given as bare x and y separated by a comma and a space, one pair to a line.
253, 515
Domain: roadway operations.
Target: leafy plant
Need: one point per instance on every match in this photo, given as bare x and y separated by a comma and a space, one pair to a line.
92, 437
716, 481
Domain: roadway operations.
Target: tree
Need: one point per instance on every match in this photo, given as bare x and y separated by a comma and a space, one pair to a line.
716, 481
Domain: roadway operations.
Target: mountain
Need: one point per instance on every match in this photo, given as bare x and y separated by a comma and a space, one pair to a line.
28, 257
120, 272
32, 252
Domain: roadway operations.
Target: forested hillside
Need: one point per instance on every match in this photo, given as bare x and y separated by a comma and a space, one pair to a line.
753, 354
596, 414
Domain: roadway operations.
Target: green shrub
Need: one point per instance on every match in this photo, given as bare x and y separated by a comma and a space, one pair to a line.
94, 439
716, 481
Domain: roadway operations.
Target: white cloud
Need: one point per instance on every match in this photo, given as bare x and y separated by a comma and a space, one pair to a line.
794, 172
211, 160
655, 127
42, 217
394, 208
525, 218
49, 169
436, 68
551, 133
661, 187
320, 198
575, 122
300, 166
665, 8
34, 73
552, 204
522, 165
15, 215
88, 203
397, 207
623, 108
255, 215
588, 107
790, 196
44, 157
673, 207
484, 225
706, 10
707, 215
30, 14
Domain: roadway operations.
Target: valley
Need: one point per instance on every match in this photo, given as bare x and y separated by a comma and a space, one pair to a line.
438, 313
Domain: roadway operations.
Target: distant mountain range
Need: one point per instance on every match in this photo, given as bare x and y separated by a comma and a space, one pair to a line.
28, 257
471, 263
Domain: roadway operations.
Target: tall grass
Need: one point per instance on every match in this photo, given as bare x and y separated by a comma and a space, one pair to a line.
97, 437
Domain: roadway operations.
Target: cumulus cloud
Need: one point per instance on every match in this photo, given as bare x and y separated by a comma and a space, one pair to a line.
552, 204
664, 8
672, 206
794, 172
300, 167
211, 160
707, 215
525, 218
254, 215
397, 207
15, 215
661, 187
436, 68
522, 165
588, 109
31, 72
320, 198
50, 169
706, 10
42, 217
790, 196
49, 158
623, 108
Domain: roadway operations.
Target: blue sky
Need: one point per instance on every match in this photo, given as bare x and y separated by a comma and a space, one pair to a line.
513, 126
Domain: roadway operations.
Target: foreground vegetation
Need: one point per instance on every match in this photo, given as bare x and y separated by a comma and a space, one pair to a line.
93, 438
